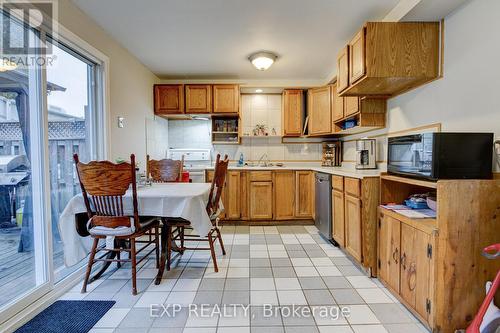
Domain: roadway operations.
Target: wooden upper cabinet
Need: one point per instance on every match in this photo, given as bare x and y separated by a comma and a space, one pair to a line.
337, 105
261, 200
304, 192
343, 69
284, 200
353, 237
319, 111
226, 98
357, 64
338, 229
389, 251
293, 104
390, 58
168, 99
198, 98
351, 105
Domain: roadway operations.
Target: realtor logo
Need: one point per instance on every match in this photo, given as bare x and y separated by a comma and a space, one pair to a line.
22, 24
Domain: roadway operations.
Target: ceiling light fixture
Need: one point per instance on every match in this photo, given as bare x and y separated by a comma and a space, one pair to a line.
7, 65
258, 91
262, 60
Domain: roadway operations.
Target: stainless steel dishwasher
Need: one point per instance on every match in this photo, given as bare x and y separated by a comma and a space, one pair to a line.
323, 189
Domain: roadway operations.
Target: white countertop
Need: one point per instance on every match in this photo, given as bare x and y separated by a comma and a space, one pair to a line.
339, 171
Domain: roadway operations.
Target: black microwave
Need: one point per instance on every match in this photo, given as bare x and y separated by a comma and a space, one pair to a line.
441, 155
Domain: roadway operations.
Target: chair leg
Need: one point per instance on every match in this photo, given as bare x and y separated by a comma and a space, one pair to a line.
157, 246
90, 264
181, 250
211, 242
219, 236
169, 246
134, 266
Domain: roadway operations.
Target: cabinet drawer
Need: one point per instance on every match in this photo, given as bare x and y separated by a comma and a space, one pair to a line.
260, 176
352, 186
338, 183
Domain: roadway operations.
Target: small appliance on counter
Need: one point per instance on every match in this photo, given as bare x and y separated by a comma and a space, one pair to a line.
366, 153
332, 154
441, 155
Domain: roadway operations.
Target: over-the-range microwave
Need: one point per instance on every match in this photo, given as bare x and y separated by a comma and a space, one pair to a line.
441, 155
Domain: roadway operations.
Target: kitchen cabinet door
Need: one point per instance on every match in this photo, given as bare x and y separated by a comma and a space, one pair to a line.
198, 98
226, 98
357, 64
292, 112
284, 198
337, 105
233, 208
353, 226
168, 99
319, 110
338, 217
389, 249
415, 268
343, 69
351, 105
261, 200
304, 194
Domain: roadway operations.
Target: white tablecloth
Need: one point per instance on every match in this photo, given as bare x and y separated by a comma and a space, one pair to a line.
186, 200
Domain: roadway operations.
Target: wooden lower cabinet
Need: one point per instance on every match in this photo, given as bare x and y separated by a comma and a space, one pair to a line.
284, 198
352, 217
389, 251
304, 194
338, 229
233, 192
261, 200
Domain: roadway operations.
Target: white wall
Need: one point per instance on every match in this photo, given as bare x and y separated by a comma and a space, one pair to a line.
131, 84
466, 99
255, 109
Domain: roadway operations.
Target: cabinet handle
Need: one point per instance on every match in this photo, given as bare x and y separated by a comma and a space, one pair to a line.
412, 276
395, 255
403, 261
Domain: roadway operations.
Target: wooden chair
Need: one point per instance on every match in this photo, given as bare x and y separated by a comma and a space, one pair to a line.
175, 227
103, 187
164, 171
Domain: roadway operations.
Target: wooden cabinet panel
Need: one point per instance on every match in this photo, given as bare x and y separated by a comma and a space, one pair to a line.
343, 69
284, 198
338, 217
261, 176
338, 183
351, 105
244, 195
233, 187
168, 99
198, 98
357, 64
415, 268
226, 98
292, 112
389, 251
261, 200
352, 186
337, 105
352, 217
319, 111
304, 194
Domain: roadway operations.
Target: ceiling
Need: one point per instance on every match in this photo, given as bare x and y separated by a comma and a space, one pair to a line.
201, 39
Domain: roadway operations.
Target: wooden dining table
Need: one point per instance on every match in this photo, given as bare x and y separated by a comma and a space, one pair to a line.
164, 200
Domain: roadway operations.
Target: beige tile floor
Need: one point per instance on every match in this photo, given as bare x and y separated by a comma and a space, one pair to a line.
267, 269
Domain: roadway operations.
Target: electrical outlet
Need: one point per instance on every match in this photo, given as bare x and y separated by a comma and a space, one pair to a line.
121, 122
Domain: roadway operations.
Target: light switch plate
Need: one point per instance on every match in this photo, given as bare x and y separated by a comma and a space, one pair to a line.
121, 122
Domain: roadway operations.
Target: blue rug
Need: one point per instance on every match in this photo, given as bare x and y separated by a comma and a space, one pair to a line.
68, 317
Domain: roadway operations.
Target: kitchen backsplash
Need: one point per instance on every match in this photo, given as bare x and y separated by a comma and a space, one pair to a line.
256, 109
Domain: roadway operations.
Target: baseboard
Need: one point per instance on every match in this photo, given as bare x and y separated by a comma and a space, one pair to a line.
266, 223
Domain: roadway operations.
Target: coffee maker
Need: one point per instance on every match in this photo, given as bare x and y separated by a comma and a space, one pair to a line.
366, 154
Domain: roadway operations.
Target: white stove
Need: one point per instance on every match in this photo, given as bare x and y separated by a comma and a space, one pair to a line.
196, 161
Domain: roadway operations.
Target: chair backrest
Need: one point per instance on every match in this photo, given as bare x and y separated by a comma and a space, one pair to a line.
105, 183
164, 171
217, 184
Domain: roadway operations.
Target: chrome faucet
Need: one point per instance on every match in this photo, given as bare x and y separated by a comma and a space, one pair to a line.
265, 159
